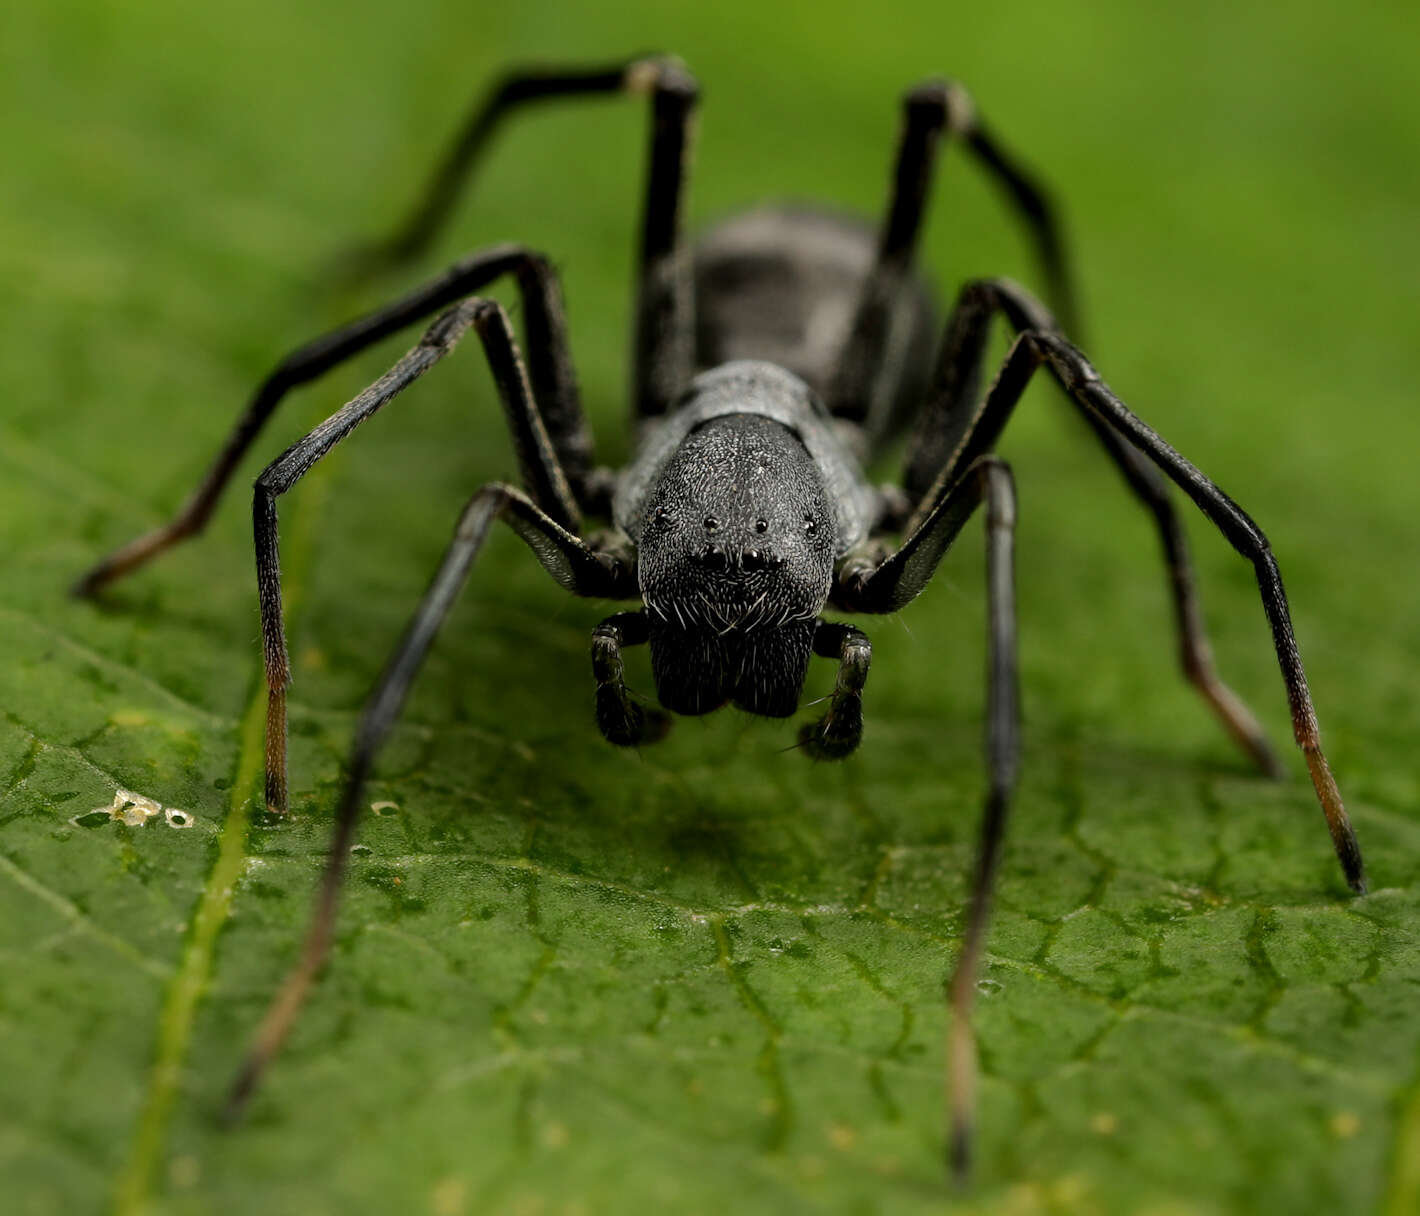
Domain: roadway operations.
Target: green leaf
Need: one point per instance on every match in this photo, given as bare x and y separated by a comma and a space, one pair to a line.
706, 976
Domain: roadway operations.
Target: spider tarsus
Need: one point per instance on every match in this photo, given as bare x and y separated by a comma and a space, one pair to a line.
87, 586
99, 575
242, 1088
127, 558
1234, 714
1343, 835
1348, 852
280, 1016
1260, 751
1268, 761
1356, 879
958, 1154
276, 791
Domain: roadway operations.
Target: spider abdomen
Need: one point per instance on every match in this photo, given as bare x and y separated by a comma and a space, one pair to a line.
781, 284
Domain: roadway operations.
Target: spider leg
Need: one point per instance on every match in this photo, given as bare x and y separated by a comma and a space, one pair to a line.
664, 350
664, 334
575, 566
541, 473
1077, 377
964, 432
516, 89
956, 426
1132, 441
868, 355
550, 367
885, 586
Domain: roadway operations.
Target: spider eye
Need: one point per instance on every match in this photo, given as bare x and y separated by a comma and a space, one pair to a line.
761, 525
711, 523
661, 515
810, 525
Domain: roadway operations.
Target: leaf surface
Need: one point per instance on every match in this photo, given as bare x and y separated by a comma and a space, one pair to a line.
706, 976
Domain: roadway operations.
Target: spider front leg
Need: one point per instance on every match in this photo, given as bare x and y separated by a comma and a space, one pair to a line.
957, 425
538, 457
575, 566
553, 381
1077, 377
888, 586
965, 431
840, 730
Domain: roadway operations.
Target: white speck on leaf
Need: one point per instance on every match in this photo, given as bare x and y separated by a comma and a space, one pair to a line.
136, 810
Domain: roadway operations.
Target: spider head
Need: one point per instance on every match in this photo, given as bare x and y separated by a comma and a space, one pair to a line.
735, 563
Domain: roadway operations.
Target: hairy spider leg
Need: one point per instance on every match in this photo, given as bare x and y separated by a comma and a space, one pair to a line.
663, 358
1074, 373
538, 458
867, 357
957, 425
886, 586
549, 362
570, 562
968, 434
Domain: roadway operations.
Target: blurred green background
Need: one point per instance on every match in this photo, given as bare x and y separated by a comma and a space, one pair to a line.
704, 978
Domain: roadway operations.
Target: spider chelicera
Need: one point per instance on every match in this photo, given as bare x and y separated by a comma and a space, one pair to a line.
770, 361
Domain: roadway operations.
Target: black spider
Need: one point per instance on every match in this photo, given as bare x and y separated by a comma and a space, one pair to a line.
769, 362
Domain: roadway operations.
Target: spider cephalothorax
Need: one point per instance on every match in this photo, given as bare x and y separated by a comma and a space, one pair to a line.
745, 512
736, 538
738, 534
